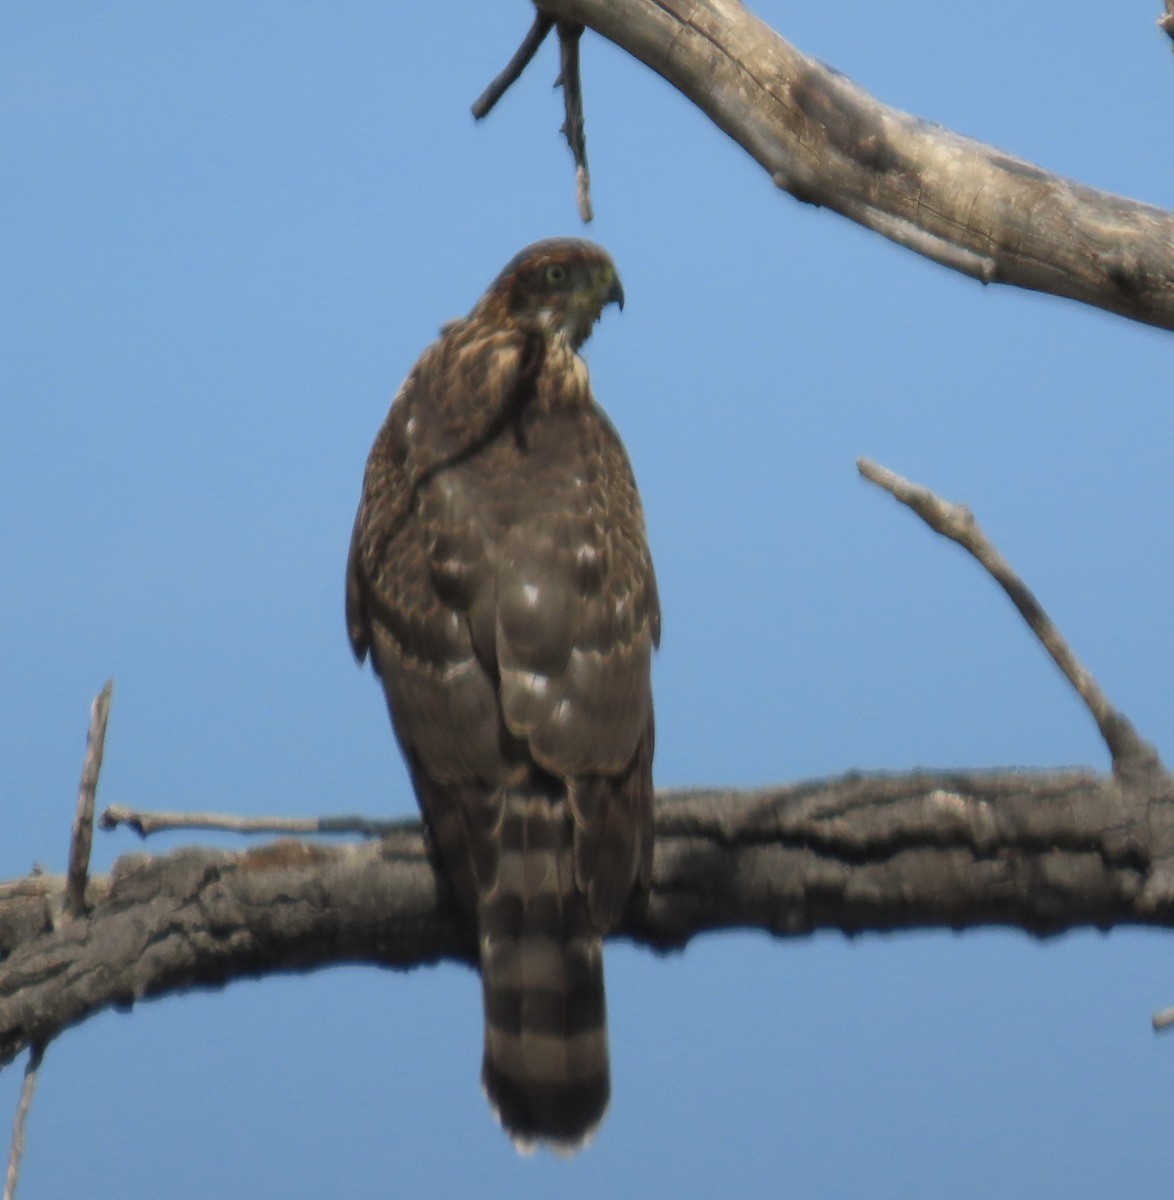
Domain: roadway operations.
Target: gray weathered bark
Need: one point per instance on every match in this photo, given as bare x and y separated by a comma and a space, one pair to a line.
954, 200
1042, 852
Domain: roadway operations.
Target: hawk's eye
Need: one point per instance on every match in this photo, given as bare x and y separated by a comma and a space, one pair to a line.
556, 273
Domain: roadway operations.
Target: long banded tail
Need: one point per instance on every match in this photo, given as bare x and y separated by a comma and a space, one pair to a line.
545, 1069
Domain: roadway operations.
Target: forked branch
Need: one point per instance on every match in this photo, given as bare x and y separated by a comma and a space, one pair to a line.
569, 33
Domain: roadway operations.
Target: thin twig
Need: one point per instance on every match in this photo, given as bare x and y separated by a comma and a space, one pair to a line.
82, 834
484, 103
569, 34
956, 522
16, 1146
147, 823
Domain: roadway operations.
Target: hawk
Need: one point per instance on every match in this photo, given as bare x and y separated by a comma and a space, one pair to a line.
500, 580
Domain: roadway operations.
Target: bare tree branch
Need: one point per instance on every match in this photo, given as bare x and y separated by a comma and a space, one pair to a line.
16, 1146
484, 103
826, 141
1130, 753
147, 823
569, 34
82, 834
1041, 852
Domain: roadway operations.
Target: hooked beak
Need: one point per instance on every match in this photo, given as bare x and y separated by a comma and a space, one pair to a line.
615, 294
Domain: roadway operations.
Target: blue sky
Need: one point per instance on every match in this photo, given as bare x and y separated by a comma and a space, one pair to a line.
229, 229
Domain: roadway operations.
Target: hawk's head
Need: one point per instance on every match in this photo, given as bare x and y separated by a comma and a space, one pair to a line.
561, 285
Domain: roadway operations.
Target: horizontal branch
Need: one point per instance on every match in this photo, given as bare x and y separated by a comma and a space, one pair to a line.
1041, 852
828, 142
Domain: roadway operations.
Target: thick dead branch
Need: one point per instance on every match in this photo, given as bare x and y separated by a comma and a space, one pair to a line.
1039, 852
1131, 755
827, 142
1042, 852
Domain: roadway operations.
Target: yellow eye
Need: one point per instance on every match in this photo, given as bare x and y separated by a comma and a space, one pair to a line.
556, 273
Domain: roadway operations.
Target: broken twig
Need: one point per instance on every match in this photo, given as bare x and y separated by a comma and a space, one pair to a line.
484, 103
569, 33
16, 1146
82, 834
568, 43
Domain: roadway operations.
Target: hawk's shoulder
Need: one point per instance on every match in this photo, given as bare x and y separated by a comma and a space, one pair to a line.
461, 391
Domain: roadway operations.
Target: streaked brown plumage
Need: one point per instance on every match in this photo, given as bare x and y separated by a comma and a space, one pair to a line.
500, 579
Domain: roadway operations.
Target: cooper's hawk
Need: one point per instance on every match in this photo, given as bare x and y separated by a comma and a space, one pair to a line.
500, 579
